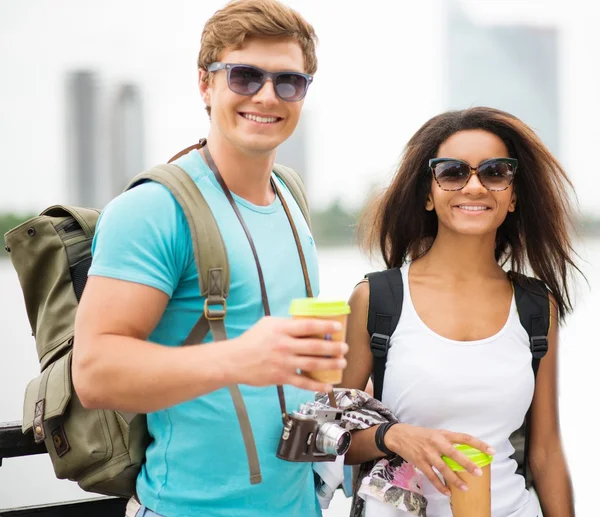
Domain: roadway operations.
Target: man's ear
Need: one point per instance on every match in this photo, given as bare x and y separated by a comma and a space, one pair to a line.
203, 84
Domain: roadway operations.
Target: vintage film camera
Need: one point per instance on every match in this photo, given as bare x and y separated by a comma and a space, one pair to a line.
312, 434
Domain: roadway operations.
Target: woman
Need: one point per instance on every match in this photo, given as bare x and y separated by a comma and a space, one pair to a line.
475, 190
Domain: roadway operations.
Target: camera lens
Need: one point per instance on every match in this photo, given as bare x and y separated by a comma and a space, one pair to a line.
332, 439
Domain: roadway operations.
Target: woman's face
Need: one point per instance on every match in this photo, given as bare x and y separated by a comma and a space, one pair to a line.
474, 210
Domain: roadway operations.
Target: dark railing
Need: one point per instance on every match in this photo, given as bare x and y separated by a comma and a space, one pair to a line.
14, 444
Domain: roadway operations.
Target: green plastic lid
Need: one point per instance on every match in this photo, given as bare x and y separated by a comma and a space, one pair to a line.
319, 308
481, 459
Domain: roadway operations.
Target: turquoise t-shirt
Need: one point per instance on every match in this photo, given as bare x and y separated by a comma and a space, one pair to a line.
196, 463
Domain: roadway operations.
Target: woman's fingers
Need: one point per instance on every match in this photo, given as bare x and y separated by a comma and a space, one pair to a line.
435, 480
467, 439
462, 460
425, 448
450, 476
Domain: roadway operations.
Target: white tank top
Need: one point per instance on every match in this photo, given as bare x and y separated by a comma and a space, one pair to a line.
483, 388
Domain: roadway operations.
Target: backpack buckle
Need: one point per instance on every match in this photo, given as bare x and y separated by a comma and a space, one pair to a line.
539, 346
380, 345
213, 314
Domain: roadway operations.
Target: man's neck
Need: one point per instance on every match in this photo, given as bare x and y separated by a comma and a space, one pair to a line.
246, 175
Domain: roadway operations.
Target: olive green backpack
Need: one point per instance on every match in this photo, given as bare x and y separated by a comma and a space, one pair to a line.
103, 450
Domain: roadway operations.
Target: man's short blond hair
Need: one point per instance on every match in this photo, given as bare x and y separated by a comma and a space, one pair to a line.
229, 27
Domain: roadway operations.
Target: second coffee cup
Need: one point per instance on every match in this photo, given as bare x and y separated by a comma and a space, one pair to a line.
477, 501
314, 308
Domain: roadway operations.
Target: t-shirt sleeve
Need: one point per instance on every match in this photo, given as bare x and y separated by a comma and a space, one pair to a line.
142, 236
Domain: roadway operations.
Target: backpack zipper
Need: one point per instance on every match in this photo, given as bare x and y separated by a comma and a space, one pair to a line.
69, 229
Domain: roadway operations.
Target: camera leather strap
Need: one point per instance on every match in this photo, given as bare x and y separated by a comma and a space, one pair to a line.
263, 289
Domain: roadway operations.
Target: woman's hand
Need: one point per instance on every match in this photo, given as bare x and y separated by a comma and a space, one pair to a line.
424, 448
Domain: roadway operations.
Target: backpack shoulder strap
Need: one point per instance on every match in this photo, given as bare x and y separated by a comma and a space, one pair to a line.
213, 278
291, 179
294, 183
209, 249
533, 306
386, 294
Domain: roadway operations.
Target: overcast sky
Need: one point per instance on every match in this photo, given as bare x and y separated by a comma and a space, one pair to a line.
389, 52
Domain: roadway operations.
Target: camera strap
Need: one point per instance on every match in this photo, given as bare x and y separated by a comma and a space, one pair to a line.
263, 289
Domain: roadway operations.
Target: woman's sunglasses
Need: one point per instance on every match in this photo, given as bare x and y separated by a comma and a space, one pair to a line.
495, 174
248, 79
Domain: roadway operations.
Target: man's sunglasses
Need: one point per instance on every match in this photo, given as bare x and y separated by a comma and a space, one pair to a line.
495, 174
248, 79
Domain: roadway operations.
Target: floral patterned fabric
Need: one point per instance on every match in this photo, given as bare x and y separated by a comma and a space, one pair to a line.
391, 480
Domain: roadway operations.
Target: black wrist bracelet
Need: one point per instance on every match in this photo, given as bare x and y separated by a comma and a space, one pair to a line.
379, 438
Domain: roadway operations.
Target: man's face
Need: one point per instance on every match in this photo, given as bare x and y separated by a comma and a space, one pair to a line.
234, 116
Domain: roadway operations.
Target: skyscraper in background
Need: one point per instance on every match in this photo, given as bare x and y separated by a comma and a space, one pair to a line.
127, 137
82, 138
514, 68
105, 138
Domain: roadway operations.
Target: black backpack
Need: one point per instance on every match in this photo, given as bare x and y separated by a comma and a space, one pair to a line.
386, 294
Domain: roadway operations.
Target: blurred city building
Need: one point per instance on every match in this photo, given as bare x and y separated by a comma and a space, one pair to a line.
514, 68
105, 137
127, 137
82, 137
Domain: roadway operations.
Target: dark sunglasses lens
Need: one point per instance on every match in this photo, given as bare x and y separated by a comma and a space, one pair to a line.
451, 175
291, 87
496, 175
245, 80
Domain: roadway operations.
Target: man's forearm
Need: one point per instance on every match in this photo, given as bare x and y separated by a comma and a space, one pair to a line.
137, 376
553, 486
363, 447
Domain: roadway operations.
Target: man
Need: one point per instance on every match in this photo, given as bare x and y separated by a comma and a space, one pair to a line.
142, 296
